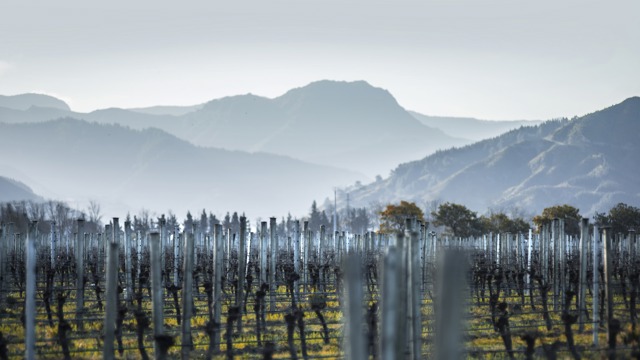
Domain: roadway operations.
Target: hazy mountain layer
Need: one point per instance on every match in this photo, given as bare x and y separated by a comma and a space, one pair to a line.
12, 190
25, 101
351, 125
470, 128
126, 170
168, 110
590, 162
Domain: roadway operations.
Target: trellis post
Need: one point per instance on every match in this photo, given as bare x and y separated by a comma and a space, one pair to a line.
111, 294
187, 294
79, 252
30, 292
582, 306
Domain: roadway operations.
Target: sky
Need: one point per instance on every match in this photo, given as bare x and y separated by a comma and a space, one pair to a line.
490, 59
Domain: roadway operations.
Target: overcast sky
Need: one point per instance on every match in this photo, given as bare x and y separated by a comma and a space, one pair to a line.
502, 59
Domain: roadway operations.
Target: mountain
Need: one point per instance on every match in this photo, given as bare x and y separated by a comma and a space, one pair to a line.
168, 110
471, 128
25, 101
127, 170
351, 125
589, 162
12, 190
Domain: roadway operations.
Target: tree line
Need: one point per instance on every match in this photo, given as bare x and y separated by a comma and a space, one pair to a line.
460, 221
455, 219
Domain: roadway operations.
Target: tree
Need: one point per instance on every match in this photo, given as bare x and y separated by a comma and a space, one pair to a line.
314, 217
358, 219
570, 214
213, 220
458, 218
393, 217
500, 223
188, 222
621, 218
95, 213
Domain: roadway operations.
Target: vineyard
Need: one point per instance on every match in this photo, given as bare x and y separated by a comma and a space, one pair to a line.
187, 293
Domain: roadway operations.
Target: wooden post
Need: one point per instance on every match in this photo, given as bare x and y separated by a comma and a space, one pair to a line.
390, 301
127, 262
529, 257
242, 265
3, 241
608, 288
499, 250
596, 284
522, 252
108, 232
556, 264
629, 246
157, 291
111, 294
176, 255
636, 244
296, 258
582, 306
273, 240
264, 250
304, 266
30, 293
356, 347
632, 244
415, 296
321, 256
338, 247
163, 242
562, 262
79, 252
139, 245
508, 239
402, 288
450, 305
52, 245
187, 295
218, 258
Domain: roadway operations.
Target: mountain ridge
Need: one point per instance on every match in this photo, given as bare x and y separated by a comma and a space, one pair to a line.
28, 100
588, 162
13, 190
345, 124
471, 128
128, 169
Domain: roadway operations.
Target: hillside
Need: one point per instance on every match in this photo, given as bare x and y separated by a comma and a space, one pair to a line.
12, 190
590, 162
127, 170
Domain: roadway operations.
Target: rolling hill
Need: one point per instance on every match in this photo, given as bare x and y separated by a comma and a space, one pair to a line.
12, 190
126, 170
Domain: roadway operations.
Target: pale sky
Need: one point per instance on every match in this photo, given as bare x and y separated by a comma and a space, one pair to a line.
492, 59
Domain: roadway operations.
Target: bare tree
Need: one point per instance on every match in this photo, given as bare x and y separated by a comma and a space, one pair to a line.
95, 213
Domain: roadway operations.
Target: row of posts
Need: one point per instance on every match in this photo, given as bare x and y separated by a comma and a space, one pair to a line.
401, 266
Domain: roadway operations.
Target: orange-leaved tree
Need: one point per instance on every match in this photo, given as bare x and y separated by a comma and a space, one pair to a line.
393, 217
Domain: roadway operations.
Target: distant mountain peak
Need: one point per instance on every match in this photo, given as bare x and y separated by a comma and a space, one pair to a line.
233, 99
332, 93
29, 100
634, 100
